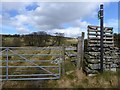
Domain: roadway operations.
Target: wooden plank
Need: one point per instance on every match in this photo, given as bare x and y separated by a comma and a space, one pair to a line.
80, 52
92, 27
95, 30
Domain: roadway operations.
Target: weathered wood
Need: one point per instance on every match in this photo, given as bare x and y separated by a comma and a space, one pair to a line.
94, 27
80, 52
82, 49
95, 30
92, 55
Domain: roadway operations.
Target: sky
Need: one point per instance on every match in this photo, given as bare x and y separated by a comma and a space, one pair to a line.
70, 18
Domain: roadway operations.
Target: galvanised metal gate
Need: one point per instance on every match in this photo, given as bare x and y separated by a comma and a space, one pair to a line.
30, 63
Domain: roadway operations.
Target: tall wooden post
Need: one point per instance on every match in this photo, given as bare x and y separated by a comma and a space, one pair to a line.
101, 37
82, 58
1, 63
80, 51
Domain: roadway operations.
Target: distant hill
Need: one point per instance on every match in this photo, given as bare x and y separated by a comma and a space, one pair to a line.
38, 39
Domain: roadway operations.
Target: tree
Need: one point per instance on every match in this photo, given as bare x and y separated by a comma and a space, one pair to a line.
59, 38
37, 39
16, 42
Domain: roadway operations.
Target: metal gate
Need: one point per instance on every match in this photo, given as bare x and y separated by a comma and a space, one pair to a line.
30, 63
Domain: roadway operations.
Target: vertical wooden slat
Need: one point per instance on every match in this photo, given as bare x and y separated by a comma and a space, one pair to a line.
0, 54
82, 55
101, 37
63, 57
80, 51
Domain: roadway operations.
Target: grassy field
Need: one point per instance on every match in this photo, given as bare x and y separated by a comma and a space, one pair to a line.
77, 79
13, 71
73, 78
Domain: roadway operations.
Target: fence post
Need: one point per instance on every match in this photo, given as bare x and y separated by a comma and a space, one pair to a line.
80, 51
7, 64
63, 57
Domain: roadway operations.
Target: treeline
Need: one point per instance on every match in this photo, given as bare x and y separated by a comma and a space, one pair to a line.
39, 39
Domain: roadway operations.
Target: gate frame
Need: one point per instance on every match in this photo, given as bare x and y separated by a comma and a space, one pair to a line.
6, 49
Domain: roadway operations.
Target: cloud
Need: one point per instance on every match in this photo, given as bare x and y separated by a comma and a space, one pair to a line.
112, 23
18, 6
22, 19
51, 17
0, 17
73, 31
22, 30
19, 22
56, 14
0, 23
69, 32
59, 1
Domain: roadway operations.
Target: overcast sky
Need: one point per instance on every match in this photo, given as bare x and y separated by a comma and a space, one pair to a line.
69, 18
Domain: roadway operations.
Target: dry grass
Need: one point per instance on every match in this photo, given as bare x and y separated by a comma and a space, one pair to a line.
70, 41
80, 80
72, 79
27, 84
22, 84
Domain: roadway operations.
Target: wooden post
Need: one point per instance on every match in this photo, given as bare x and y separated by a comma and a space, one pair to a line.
80, 51
101, 37
1, 63
82, 56
63, 57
